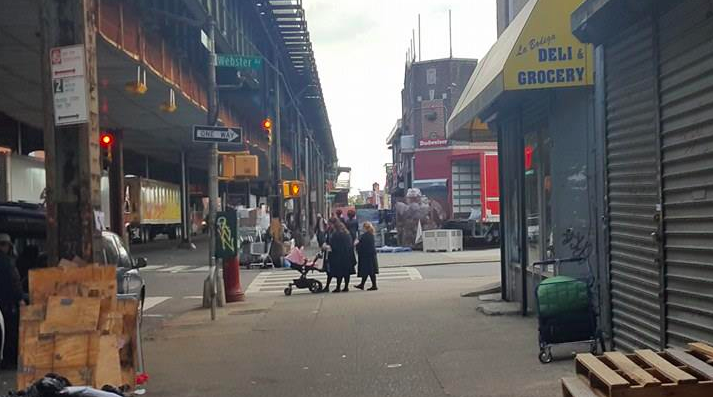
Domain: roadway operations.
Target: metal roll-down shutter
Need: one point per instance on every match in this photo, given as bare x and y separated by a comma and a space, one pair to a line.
686, 95
633, 189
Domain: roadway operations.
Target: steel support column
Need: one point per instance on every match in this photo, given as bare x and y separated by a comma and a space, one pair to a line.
186, 229
116, 184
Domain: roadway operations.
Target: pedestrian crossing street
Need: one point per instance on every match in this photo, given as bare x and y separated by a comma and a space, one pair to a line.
276, 281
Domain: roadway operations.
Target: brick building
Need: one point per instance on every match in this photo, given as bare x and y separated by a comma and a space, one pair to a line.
422, 155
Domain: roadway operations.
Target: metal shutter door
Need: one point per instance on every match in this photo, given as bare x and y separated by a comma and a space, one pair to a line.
632, 179
465, 187
686, 81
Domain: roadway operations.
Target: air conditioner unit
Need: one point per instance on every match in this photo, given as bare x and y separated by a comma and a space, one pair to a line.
408, 143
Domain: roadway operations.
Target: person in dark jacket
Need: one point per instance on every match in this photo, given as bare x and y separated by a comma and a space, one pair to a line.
341, 257
368, 263
10, 297
352, 224
326, 254
320, 230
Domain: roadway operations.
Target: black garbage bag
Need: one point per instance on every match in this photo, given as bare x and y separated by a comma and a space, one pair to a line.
53, 385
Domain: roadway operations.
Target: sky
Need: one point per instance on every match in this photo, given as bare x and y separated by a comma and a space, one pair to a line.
360, 47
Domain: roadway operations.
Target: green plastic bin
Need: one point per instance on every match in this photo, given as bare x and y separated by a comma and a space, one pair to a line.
560, 295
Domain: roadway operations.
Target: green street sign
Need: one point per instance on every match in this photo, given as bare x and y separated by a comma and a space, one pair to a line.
226, 235
238, 61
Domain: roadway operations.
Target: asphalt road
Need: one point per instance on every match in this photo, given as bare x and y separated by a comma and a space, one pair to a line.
416, 336
174, 278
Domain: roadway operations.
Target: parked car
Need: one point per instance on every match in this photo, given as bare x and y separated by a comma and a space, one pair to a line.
26, 225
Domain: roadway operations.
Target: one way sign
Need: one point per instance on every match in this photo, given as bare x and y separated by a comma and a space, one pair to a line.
209, 134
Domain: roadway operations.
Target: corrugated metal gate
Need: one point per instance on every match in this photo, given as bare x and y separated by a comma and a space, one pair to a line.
686, 95
633, 190
465, 187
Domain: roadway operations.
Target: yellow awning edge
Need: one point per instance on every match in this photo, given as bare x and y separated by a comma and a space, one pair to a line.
536, 51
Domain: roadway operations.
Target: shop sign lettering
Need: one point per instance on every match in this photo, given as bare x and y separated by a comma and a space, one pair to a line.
547, 55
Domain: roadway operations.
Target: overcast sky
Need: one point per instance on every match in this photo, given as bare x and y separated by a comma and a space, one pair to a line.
360, 46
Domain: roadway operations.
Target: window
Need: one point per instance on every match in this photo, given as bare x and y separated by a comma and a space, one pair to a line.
431, 76
124, 257
109, 252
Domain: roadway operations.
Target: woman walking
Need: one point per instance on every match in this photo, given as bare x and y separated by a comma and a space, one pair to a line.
327, 254
341, 256
368, 263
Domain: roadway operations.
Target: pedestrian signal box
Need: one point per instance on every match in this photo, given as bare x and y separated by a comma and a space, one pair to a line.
292, 189
238, 166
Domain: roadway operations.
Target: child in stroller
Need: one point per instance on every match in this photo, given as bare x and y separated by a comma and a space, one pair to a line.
299, 262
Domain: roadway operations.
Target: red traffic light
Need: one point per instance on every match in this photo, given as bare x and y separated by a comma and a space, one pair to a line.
106, 139
267, 124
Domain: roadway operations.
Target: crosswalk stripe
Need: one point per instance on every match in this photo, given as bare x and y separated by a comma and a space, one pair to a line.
198, 269
277, 281
153, 301
152, 267
381, 277
173, 269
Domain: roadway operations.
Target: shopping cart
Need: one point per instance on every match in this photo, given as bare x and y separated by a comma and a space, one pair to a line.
565, 309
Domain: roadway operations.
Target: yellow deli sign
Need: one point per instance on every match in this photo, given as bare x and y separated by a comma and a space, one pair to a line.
547, 55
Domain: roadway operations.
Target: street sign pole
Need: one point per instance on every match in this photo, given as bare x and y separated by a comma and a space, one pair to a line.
213, 173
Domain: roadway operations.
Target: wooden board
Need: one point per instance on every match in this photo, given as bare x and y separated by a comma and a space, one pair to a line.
72, 350
606, 375
699, 367
83, 281
70, 314
702, 348
36, 351
108, 368
34, 312
633, 371
576, 387
670, 371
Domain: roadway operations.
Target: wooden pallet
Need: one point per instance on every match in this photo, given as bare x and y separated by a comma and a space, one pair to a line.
672, 373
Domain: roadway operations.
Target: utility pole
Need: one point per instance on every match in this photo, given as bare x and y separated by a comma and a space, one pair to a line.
71, 150
212, 280
278, 203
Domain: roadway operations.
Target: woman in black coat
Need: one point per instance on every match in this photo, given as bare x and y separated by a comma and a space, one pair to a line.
341, 256
368, 263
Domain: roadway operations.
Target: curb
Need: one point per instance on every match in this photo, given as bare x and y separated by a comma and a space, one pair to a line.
443, 263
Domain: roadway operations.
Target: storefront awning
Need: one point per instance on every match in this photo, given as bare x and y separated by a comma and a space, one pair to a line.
536, 51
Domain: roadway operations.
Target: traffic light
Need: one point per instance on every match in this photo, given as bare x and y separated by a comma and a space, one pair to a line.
267, 127
238, 165
106, 140
292, 189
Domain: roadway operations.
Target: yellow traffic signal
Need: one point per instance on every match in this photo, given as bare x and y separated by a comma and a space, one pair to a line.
292, 189
238, 165
267, 127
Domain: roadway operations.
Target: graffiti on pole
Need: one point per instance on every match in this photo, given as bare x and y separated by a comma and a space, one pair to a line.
226, 234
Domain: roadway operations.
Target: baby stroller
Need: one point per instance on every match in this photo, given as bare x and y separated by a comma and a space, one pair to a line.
312, 284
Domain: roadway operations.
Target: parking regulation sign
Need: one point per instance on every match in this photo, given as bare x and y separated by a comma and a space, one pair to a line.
69, 85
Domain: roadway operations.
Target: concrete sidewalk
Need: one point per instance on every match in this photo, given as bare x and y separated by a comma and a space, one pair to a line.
407, 339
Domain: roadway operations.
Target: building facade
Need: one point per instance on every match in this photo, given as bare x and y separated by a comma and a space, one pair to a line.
446, 170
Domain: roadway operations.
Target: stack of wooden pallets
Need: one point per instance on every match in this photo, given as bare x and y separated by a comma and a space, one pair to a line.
645, 373
75, 326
